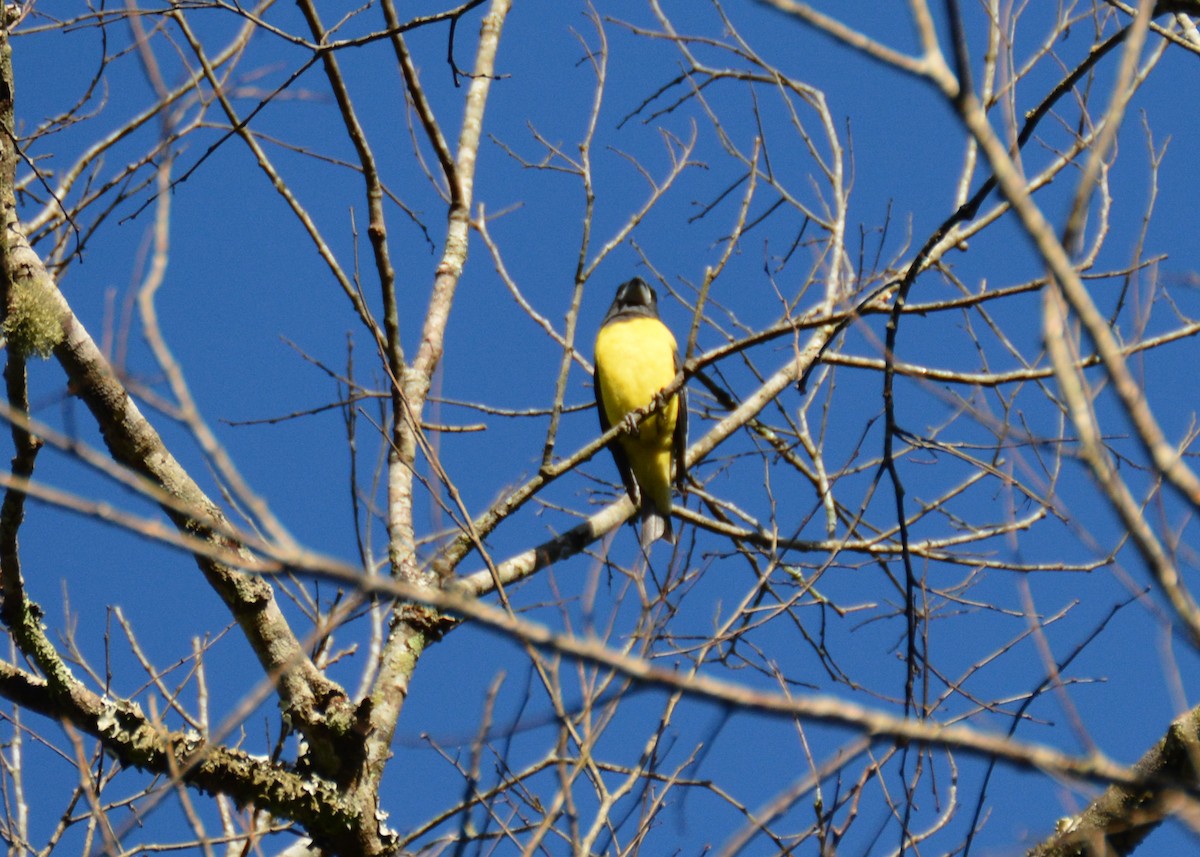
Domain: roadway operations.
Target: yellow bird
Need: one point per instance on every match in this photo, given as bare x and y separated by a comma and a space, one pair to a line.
636, 357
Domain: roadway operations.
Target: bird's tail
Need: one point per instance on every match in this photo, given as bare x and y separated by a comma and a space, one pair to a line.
655, 525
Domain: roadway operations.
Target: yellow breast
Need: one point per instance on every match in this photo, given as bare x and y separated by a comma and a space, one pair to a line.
634, 360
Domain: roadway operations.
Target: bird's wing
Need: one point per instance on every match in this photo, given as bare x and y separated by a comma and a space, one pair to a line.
618, 454
679, 438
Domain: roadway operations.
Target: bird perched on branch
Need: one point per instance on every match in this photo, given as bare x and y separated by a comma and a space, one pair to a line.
636, 357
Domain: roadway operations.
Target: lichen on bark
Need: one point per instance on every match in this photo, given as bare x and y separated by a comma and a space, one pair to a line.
32, 326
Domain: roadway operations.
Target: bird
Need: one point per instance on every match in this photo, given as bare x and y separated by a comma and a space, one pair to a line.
635, 358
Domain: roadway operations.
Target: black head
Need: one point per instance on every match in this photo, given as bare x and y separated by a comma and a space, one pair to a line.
634, 298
